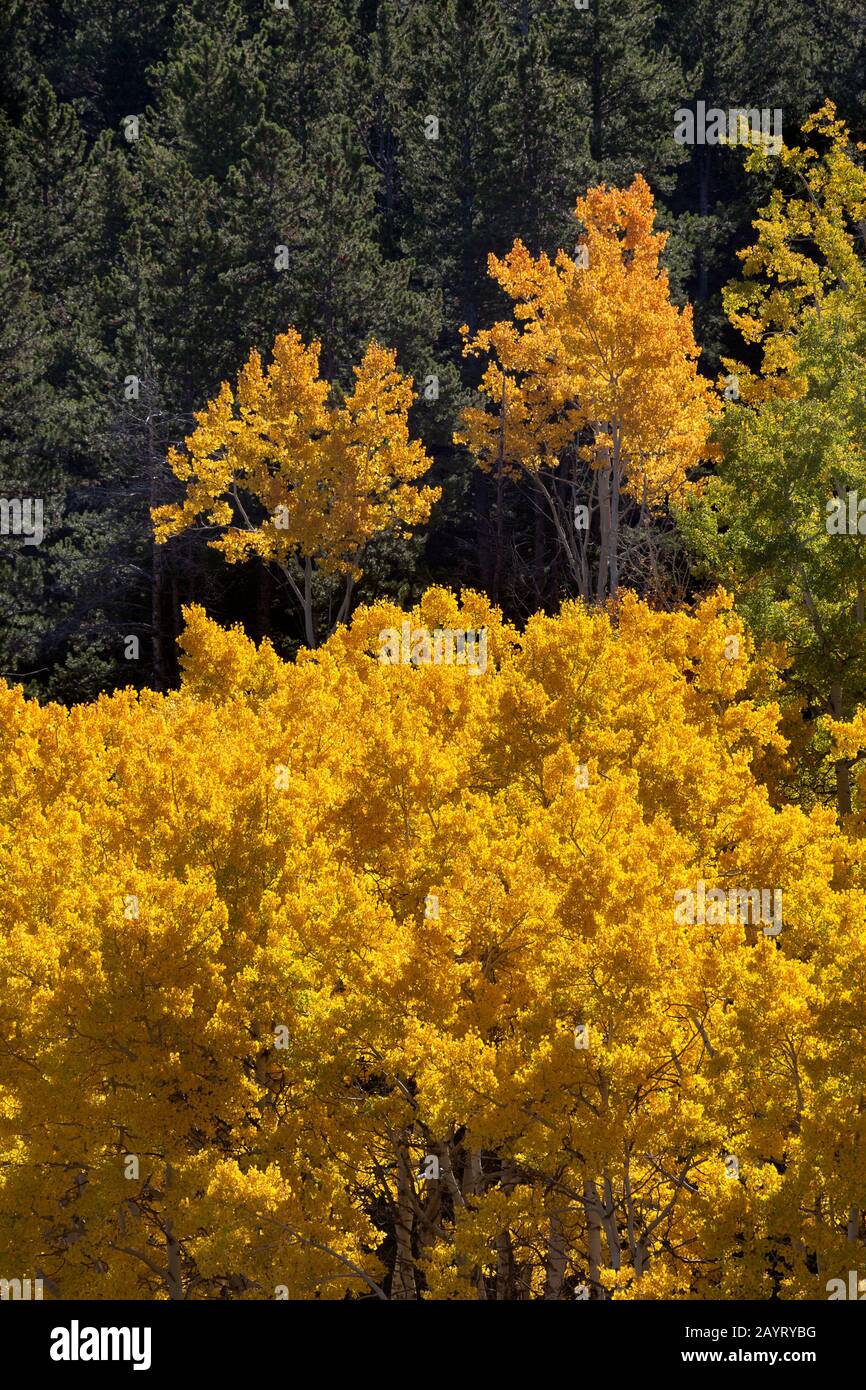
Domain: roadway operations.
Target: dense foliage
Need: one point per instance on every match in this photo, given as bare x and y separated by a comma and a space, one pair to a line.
296, 930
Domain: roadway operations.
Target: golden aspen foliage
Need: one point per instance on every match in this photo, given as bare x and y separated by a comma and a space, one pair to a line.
367, 976
595, 352
806, 255
285, 473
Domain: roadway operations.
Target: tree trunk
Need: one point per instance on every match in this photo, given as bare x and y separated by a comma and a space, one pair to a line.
497, 554
841, 767
309, 629
591, 1207
557, 1258
611, 1230
616, 483
538, 551
497, 551
472, 1174
853, 1225
504, 1247
484, 550
174, 1279
403, 1286
604, 505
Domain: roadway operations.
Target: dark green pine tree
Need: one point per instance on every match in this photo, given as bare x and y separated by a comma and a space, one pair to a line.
536, 114
166, 332
477, 143
143, 420
97, 53
170, 250
838, 56
385, 87
27, 406
348, 292
184, 198
345, 276
53, 228
423, 115
263, 227
632, 83
209, 94
312, 65
26, 36
737, 56
48, 182
453, 56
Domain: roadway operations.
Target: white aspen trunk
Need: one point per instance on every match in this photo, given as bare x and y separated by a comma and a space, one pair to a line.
431, 1209
563, 523
472, 1177
584, 576
591, 1206
504, 1268
504, 1246
446, 1171
473, 1186
853, 1225
604, 471
403, 1284
557, 1256
343, 610
616, 484
610, 1225
629, 1213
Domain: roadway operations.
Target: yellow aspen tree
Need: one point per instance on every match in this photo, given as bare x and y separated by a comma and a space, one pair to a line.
285, 473
591, 388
